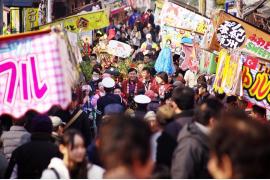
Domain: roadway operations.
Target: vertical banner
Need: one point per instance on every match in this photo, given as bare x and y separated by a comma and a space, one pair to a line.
256, 82
31, 18
15, 19
35, 73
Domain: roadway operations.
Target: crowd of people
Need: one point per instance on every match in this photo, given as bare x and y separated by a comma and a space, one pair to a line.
147, 125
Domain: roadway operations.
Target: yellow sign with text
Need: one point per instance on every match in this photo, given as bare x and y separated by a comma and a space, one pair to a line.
31, 18
84, 22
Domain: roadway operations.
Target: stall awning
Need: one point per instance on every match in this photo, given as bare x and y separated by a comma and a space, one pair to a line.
19, 3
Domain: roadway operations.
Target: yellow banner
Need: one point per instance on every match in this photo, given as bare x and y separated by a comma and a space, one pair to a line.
15, 19
81, 23
31, 18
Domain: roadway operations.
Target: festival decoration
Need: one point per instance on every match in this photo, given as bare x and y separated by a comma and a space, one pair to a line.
177, 16
36, 72
256, 83
83, 22
233, 33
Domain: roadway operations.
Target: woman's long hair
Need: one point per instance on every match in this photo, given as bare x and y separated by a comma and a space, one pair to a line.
80, 170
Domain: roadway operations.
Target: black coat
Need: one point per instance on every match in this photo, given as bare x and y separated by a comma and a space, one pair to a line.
83, 125
167, 142
33, 157
104, 101
191, 154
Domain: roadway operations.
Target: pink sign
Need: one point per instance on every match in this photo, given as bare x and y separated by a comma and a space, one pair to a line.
32, 74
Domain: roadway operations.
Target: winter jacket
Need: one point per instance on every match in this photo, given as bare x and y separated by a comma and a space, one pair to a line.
32, 158
58, 170
191, 155
15, 137
167, 142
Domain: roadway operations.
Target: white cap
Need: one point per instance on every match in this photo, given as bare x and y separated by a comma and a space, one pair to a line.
142, 99
108, 82
148, 36
149, 115
86, 87
56, 121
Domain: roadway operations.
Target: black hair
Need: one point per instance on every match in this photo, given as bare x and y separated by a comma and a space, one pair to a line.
259, 110
231, 99
164, 77
147, 69
210, 108
184, 98
96, 71
80, 170
246, 143
74, 97
123, 140
132, 69
219, 96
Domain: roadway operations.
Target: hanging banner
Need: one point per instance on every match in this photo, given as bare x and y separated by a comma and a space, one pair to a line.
207, 63
84, 22
256, 82
228, 73
233, 33
35, 73
190, 61
15, 19
31, 18
119, 49
177, 16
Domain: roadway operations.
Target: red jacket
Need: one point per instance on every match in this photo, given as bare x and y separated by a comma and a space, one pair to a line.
140, 87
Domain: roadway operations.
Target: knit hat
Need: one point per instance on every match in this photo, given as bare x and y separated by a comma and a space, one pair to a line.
41, 124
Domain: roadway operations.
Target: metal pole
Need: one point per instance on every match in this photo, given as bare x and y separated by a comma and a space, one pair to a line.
1, 17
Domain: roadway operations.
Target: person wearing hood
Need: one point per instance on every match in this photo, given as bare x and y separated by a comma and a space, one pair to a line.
191, 155
74, 164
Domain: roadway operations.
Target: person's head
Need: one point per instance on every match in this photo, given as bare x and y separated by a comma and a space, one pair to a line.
202, 88
162, 78
258, 112
58, 125
41, 124
125, 142
108, 84
86, 89
242, 104
220, 96
96, 75
149, 26
74, 152
151, 119
117, 91
165, 114
231, 102
201, 79
74, 101
239, 149
135, 28
183, 98
100, 87
146, 74
208, 112
147, 58
149, 37
123, 35
132, 74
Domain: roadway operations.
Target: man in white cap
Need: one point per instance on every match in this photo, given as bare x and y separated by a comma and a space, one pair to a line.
58, 128
141, 105
109, 98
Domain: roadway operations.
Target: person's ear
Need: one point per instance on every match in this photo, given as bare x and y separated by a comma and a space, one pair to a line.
212, 122
62, 149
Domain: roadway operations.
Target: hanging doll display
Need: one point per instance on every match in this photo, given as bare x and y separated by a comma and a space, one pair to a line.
164, 62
